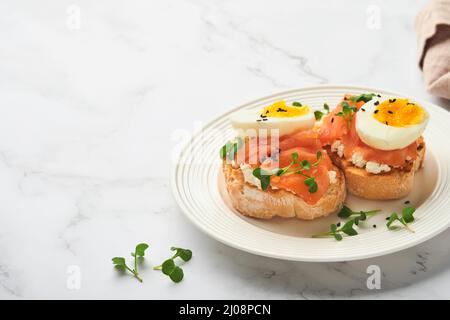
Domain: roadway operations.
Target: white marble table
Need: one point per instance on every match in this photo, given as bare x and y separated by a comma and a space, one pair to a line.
93, 107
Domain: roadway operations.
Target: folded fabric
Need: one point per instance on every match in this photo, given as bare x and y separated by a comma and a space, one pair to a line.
433, 35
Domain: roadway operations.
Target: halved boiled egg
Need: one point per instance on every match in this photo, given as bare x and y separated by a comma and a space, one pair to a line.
286, 119
389, 123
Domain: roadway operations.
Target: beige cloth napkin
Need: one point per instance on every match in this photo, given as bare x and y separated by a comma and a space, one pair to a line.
433, 35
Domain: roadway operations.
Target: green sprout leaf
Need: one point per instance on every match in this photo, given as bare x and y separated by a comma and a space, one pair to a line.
318, 114
184, 254
312, 184
119, 262
366, 97
140, 249
407, 214
176, 275
263, 176
306, 164
333, 228
230, 149
168, 266
348, 228
296, 104
223, 152
345, 212
338, 236
294, 157
392, 218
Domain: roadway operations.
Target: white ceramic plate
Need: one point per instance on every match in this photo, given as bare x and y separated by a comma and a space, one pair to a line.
198, 188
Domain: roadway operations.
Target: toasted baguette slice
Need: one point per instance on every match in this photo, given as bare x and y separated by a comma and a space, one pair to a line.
266, 204
394, 184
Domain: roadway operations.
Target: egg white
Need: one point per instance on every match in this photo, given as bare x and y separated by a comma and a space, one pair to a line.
384, 137
245, 121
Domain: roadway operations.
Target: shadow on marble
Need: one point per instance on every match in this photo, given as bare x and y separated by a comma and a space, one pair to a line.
343, 279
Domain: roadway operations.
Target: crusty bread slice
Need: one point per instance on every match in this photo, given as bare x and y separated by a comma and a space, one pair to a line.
394, 184
254, 202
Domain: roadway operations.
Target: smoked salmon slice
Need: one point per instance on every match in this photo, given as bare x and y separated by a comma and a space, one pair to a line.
335, 128
305, 144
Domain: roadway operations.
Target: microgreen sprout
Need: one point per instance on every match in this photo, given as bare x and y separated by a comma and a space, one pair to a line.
347, 112
406, 217
263, 176
318, 114
346, 213
169, 268
348, 228
366, 97
138, 254
294, 167
336, 232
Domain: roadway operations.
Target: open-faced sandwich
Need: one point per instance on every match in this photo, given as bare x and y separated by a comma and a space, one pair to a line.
276, 165
377, 142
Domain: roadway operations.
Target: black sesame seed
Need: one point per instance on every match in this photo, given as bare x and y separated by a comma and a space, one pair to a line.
265, 119
376, 111
392, 100
332, 120
338, 224
374, 225
387, 218
387, 123
377, 103
391, 112
363, 109
407, 202
410, 103
259, 120
267, 111
379, 95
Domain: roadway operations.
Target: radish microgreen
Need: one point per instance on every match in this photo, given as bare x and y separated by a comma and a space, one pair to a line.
347, 112
170, 269
346, 213
138, 254
406, 217
318, 114
366, 97
336, 232
348, 228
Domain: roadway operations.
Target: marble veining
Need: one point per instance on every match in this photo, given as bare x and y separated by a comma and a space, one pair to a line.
92, 109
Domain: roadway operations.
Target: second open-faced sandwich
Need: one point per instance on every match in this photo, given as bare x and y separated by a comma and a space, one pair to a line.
377, 142
276, 165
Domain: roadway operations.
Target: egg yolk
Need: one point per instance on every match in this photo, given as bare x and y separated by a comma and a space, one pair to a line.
281, 110
399, 113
